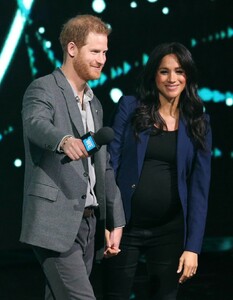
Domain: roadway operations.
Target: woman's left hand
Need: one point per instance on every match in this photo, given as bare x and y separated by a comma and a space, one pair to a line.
188, 263
113, 239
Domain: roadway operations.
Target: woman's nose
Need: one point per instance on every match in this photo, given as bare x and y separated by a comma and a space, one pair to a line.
172, 77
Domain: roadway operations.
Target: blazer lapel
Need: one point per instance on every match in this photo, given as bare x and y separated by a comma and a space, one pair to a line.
182, 145
94, 111
72, 106
141, 148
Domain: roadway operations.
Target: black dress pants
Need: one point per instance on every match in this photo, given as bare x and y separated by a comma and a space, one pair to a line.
161, 246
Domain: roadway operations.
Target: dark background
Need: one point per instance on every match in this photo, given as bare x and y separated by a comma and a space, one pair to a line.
135, 32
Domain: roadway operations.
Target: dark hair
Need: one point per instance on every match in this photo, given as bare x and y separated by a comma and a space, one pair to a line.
190, 105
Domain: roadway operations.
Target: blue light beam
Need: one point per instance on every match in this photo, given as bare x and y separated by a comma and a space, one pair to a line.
14, 35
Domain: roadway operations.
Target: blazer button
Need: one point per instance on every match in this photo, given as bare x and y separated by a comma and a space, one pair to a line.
133, 186
85, 174
84, 197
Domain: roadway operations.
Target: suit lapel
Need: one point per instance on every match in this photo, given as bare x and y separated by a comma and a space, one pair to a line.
94, 111
72, 106
141, 148
182, 146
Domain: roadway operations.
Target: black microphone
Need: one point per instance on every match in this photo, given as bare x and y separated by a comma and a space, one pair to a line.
93, 141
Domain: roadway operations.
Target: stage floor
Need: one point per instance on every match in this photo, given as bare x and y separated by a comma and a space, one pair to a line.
21, 278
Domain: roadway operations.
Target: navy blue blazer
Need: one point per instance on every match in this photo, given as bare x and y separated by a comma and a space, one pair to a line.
193, 170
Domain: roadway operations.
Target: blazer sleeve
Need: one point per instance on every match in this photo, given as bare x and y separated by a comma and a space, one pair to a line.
125, 108
38, 115
198, 192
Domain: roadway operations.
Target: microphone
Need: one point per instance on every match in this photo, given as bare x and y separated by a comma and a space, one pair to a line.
93, 141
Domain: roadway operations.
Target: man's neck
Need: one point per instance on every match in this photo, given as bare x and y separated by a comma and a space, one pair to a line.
76, 82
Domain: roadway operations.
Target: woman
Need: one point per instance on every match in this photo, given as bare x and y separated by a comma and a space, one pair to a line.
161, 155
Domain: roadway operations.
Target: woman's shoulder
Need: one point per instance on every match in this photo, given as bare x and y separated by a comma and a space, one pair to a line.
129, 100
206, 116
126, 105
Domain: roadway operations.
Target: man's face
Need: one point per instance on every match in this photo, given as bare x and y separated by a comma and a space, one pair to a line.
90, 59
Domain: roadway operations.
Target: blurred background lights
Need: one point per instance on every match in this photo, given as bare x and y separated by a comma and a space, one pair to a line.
222, 34
109, 25
18, 163
229, 101
14, 35
152, 1
165, 10
48, 44
24, 6
115, 94
26, 3
41, 30
98, 6
133, 4
216, 152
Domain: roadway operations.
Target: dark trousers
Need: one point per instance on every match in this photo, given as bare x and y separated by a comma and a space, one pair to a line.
67, 274
161, 247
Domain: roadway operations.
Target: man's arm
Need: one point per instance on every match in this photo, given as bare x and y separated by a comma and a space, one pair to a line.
113, 239
37, 115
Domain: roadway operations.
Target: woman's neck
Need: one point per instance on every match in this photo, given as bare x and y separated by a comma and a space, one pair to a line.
170, 114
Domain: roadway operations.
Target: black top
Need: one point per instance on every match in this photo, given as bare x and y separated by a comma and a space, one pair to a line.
156, 200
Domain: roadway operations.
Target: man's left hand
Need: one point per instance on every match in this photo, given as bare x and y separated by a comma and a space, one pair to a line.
113, 239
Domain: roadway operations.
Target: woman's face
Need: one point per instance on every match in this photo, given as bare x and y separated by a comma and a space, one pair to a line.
170, 78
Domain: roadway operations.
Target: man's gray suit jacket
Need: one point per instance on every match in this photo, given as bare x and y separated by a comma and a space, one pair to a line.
55, 187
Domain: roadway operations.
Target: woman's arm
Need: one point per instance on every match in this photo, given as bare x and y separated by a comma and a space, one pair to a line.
121, 120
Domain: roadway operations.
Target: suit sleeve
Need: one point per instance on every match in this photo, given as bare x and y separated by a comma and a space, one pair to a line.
115, 216
37, 115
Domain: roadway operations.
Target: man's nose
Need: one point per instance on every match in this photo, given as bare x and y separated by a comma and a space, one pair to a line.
101, 58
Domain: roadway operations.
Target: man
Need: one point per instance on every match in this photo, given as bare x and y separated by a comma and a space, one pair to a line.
66, 190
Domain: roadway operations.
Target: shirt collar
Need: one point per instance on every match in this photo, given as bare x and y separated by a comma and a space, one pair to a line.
88, 94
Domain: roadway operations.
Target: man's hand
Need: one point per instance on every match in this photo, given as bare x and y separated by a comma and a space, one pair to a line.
74, 148
188, 263
113, 239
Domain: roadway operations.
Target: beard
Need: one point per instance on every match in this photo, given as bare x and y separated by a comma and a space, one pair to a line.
84, 71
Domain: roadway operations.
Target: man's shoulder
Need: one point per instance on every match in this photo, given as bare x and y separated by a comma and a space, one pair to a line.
43, 80
46, 84
49, 78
